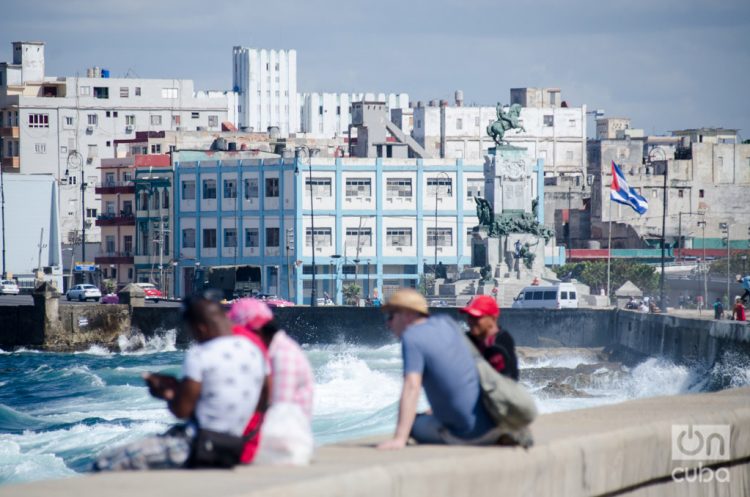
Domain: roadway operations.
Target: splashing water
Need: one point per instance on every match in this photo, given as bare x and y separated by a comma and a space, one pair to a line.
57, 411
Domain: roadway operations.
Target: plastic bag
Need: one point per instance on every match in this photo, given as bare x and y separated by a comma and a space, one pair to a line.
286, 437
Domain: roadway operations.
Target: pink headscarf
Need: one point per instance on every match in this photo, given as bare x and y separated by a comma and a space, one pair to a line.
253, 314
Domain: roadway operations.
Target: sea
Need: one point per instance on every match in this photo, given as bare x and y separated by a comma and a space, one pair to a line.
58, 410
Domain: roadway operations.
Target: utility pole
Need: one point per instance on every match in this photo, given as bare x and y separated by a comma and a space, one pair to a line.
662, 301
702, 224
725, 231
2, 194
313, 290
83, 216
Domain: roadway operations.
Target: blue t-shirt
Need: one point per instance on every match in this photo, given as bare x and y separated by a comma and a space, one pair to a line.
436, 350
746, 283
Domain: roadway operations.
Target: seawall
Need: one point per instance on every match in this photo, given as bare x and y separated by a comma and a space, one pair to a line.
630, 335
618, 450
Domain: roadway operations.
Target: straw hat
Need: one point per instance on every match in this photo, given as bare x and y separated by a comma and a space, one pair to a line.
407, 299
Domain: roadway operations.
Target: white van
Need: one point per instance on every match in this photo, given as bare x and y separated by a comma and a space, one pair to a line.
562, 296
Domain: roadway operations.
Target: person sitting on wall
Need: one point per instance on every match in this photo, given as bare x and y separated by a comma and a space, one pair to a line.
286, 434
495, 345
738, 312
718, 308
223, 376
745, 282
436, 356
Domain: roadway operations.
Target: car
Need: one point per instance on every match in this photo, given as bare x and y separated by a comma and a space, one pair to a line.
152, 293
9, 287
84, 292
277, 302
111, 298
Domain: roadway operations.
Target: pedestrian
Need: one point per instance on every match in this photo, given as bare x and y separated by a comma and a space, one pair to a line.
745, 282
286, 434
738, 313
496, 345
435, 356
222, 380
699, 303
718, 309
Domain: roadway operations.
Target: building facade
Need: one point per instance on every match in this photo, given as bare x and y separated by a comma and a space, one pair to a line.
117, 213
366, 220
329, 115
64, 126
266, 84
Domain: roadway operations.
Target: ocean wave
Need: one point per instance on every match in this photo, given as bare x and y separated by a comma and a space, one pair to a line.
96, 350
18, 466
139, 344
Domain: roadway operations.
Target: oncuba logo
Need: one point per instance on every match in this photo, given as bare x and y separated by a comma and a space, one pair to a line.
700, 443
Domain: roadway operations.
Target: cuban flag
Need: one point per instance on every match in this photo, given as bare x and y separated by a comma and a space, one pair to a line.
622, 193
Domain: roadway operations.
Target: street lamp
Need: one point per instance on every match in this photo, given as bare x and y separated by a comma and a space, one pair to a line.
702, 224
308, 152
437, 193
335, 276
724, 227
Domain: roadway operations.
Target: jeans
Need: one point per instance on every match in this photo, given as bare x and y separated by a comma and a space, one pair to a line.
167, 451
427, 429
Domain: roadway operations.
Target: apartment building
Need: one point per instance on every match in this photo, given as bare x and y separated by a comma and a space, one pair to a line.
65, 125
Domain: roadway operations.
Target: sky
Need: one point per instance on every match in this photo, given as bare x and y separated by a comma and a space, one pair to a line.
666, 64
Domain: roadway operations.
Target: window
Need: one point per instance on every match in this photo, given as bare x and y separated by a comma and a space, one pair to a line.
272, 237
127, 243
209, 189
398, 237
188, 238
156, 120
701, 193
38, 120
550, 295
68, 121
459, 124
563, 295
195, 115
549, 120
101, 92
569, 155
398, 187
109, 244
209, 238
321, 187
188, 190
322, 237
358, 187
169, 93
251, 237
469, 235
156, 148
93, 151
474, 188
251, 188
442, 237
272, 187
358, 237
572, 295
93, 119
230, 237
40, 148
175, 120
85, 91
127, 207
680, 193
213, 121
124, 92
440, 186
90, 212
230, 188
137, 91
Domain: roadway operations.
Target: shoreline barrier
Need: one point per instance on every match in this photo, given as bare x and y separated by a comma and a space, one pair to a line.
623, 449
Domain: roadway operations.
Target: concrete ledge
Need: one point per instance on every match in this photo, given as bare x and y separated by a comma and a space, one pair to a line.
623, 449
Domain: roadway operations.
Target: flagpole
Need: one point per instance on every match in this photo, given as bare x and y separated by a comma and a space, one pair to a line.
609, 252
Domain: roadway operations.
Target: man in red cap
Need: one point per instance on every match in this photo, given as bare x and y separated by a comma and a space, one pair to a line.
497, 346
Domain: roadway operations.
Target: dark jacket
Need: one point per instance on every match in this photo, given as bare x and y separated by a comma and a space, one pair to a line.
501, 354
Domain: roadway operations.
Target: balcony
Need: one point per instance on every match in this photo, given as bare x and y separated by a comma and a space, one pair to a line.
115, 187
9, 132
114, 258
122, 219
11, 164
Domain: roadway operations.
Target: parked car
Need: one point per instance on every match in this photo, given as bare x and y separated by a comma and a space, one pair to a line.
274, 301
84, 292
9, 287
111, 298
152, 293
562, 296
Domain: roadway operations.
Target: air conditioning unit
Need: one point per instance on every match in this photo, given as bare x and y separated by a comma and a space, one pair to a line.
89, 160
129, 128
89, 129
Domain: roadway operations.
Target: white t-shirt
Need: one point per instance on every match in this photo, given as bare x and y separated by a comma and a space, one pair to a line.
231, 370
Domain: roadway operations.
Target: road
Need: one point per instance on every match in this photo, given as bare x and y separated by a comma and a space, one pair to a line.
16, 300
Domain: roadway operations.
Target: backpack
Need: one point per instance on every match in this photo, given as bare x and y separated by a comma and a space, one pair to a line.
507, 402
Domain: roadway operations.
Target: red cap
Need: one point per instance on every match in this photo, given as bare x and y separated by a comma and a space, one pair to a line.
482, 305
